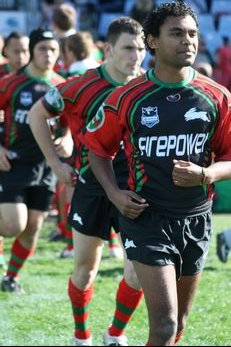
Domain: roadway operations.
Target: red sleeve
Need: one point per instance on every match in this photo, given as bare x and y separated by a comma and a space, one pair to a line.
104, 132
221, 143
4, 91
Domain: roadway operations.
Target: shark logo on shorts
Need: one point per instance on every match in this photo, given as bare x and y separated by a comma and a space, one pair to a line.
77, 219
129, 244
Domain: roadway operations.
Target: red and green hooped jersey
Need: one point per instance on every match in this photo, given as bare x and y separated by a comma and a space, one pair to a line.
160, 122
78, 100
18, 92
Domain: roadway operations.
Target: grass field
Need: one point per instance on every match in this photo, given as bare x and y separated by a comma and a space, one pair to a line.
42, 316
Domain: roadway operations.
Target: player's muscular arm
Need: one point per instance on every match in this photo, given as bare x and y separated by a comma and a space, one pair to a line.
128, 203
187, 174
38, 122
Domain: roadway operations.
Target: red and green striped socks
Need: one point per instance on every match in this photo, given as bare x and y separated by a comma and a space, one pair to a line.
80, 301
127, 300
19, 254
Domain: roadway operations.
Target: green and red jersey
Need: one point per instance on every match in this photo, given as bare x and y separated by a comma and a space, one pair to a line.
159, 122
78, 100
18, 92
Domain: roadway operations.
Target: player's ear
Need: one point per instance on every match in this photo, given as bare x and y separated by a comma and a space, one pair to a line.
152, 41
108, 52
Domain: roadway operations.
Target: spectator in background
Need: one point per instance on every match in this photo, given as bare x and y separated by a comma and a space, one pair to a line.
141, 9
16, 50
78, 53
203, 55
64, 20
47, 8
222, 71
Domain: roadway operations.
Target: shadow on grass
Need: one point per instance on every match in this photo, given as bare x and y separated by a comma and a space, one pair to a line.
115, 271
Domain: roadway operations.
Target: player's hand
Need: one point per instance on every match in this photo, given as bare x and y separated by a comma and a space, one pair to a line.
4, 162
65, 174
186, 174
64, 146
129, 203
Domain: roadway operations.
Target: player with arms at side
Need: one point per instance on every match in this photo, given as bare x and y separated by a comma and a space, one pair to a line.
27, 183
92, 215
171, 120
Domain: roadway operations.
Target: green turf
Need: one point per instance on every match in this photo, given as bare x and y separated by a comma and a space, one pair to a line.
42, 316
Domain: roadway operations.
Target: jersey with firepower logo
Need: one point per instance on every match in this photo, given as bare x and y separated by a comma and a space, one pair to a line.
160, 122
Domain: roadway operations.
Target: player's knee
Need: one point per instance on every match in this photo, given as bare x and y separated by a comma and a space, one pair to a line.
84, 277
131, 279
11, 228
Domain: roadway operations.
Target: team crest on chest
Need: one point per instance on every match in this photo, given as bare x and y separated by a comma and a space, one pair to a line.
26, 98
150, 116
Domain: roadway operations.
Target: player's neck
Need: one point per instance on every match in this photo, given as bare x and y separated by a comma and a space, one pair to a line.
170, 74
116, 75
36, 72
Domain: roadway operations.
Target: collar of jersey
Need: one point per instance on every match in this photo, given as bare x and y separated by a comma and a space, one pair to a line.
182, 83
108, 78
42, 79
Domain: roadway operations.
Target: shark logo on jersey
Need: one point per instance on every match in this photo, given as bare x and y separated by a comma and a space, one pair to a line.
54, 99
194, 114
150, 116
77, 218
26, 98
173, 97
97, 122
129, 244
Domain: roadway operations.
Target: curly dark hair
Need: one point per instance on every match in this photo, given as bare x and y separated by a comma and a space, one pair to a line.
157, 17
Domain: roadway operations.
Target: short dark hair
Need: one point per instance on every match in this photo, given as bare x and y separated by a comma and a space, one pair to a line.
157, 17
13, 35
123, 25
65, 17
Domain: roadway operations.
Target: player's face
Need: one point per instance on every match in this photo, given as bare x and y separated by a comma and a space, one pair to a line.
127, 54
177, 43
45, 54
17, 51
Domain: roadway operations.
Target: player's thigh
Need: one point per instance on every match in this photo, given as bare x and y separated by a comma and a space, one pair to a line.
13, 218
